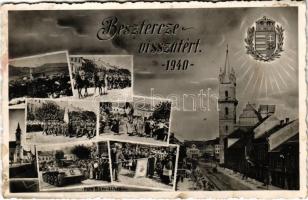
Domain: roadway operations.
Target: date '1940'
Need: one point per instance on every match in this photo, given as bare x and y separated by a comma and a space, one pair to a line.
177, 64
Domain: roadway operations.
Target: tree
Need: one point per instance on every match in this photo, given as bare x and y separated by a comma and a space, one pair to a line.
162, 110
82, 152
58, 156
49, 111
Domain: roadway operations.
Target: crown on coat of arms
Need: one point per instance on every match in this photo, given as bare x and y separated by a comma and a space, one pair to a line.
265, 24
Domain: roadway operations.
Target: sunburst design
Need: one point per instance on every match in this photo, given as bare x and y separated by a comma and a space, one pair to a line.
265, 79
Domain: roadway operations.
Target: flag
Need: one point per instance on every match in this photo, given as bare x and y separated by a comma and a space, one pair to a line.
141, 168
65, 119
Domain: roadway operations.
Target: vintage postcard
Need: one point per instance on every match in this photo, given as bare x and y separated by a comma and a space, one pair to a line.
102, 77
180, 100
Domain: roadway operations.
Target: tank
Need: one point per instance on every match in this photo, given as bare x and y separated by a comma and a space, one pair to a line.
63, 176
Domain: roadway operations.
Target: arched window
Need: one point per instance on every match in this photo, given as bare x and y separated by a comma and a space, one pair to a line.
226, 94
226, 111
227, 128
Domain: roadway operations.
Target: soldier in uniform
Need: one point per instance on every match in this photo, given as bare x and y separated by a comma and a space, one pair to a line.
81, 130
45, 128
89, 128
117, 158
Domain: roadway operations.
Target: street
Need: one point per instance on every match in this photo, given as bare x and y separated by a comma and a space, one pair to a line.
218, 180
124, 94
39, 137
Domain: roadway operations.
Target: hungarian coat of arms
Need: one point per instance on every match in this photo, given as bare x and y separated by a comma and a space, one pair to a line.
264, 40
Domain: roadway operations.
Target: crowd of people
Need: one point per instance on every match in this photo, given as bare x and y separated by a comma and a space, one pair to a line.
54, 86
133, 125
80, 128
75, 128
160, 161
97, 168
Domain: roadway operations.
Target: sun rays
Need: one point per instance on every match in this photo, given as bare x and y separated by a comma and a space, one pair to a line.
263, 79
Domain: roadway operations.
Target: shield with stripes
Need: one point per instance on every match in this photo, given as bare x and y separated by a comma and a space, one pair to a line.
265, 37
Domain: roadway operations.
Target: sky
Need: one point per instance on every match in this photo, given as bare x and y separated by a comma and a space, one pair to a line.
84, 105
16, 116
38, 60
122, 61
276, 82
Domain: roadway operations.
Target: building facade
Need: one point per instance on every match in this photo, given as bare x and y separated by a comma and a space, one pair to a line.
227, 103
15, 148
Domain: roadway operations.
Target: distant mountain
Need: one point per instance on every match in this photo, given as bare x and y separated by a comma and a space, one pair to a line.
51, 68
48, 69
18, 71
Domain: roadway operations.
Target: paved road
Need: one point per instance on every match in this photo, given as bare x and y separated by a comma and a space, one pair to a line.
124, 94
219, 180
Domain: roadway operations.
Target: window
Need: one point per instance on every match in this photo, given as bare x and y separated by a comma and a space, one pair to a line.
226, 94
226, 111
227, 128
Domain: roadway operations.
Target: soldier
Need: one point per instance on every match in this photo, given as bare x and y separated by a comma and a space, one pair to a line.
109, 79
48, 127
89, 128
81, 130
58, 128
63, 129
45, 128
117, 158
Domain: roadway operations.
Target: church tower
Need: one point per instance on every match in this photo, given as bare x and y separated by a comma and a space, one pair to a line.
227, 104
18, 135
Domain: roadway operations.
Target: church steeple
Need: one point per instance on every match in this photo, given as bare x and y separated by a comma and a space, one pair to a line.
226, 70
18, 134
228, 74
227, 103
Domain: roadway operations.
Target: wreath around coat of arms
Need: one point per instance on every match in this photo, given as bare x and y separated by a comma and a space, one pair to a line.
250, 46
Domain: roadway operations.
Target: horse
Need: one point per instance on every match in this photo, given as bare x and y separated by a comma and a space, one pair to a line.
99, 82
81, 82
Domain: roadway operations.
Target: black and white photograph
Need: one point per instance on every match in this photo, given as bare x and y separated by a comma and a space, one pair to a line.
22, 156
102, 77
40, 76
143, 165
193, 99
75, 165
143, 120
60, 121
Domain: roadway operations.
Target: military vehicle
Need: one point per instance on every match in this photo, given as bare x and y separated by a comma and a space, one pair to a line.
63, 176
